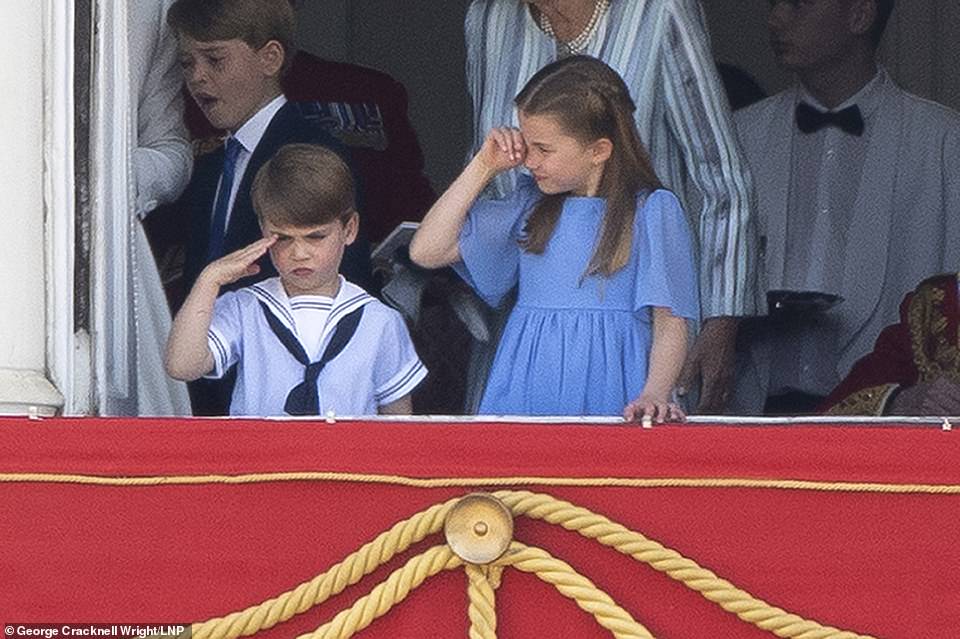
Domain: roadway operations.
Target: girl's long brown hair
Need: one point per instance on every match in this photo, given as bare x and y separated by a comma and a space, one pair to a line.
590, 101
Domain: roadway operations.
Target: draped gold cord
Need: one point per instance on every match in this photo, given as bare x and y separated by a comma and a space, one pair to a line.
490, 482
482, 581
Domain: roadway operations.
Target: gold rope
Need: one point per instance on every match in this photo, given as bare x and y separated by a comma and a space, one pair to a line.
450, 482
439, 558
482, 611
346, 573
576, 587
484, 580
382, 598
678, 567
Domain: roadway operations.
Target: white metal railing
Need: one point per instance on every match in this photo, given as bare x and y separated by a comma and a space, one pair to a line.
944, 422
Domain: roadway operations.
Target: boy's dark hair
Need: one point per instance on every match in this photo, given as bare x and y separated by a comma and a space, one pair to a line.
255, 22
303, 185
884, 9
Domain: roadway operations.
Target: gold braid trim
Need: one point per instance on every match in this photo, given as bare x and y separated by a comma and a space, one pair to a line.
456, 482
934, 351
482, 615
867, 401
383, 597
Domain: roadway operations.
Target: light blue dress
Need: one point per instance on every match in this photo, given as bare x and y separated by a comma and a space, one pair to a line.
575, 345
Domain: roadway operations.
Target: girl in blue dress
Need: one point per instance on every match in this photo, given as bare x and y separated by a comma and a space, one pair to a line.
600, 254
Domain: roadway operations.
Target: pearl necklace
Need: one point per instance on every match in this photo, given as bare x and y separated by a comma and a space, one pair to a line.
578, 44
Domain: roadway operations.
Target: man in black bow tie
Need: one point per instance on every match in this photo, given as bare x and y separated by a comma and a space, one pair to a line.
858, 197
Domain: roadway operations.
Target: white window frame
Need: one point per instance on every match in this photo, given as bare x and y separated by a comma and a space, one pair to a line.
94, 372
64, 354
111, 200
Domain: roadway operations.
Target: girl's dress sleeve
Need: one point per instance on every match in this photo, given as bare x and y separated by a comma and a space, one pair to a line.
666, 273
489, 242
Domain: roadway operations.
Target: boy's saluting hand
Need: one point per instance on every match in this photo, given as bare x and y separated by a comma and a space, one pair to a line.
237, 265
188, 356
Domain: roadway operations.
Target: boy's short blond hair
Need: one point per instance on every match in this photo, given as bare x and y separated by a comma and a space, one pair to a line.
255, 22
303, 185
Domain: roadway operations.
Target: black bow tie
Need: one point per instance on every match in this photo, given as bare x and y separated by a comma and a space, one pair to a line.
848, 120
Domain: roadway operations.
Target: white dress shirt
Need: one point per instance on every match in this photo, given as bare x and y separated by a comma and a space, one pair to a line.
826, 169
891, 198
826, 178
249, 136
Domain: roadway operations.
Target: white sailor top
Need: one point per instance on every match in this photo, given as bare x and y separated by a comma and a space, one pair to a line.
372, 361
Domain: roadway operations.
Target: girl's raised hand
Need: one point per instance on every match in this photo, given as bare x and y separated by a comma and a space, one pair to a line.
503, 149
232, 267
648, 408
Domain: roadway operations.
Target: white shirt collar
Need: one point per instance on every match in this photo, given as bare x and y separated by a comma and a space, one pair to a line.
867, 98
253, 129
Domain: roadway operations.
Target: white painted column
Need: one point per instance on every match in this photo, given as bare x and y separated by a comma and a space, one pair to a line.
24, 384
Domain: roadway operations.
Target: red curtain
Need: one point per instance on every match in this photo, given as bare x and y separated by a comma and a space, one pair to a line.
879, 563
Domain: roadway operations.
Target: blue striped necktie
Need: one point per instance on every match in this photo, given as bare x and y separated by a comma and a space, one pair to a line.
218, 228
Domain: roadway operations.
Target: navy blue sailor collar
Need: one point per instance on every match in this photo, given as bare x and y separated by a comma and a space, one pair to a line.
349, 298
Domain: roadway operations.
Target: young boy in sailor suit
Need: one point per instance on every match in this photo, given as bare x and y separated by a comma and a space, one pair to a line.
307, 342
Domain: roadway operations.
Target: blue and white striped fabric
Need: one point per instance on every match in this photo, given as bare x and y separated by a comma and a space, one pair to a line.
378, 366
662, 50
